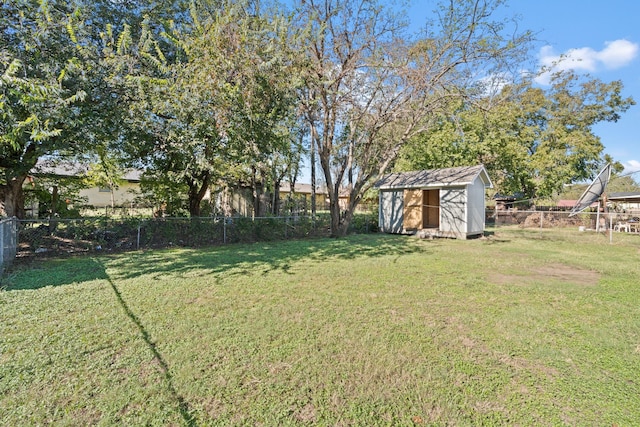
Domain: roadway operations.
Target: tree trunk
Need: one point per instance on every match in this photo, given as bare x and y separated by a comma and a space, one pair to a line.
276, 198
346, 220
258, 191
292, 192
340, 220
194, 206
196, 194
334, 211
313, 170
55, 199
12, 198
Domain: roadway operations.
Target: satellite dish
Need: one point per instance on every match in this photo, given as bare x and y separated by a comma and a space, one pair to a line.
593, 192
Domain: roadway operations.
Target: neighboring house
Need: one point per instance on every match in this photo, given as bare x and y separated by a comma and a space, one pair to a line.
446, 202
627, 201
97, 197
302, 193
239, 201
504, 203
566, 204
124, 195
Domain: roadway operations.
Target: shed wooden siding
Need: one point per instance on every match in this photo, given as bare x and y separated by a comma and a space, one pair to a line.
412, 210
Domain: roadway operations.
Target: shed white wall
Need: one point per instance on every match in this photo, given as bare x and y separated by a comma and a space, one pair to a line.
476, 207
391, 211
453, 208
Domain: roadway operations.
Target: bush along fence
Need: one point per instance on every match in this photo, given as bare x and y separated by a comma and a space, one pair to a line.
71, 236
8, 242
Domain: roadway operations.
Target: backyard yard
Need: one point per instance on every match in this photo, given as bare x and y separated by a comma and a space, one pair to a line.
522, 327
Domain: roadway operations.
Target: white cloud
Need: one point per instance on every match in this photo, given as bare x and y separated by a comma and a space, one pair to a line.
615, 54
618, 53
631, 166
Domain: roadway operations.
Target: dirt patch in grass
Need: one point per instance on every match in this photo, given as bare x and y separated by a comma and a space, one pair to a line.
307, 414
547, 273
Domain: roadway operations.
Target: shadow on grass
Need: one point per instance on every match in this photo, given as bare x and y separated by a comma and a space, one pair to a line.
36, 274
182, 405
262, 257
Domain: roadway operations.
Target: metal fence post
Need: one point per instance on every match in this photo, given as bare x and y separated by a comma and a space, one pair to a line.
2, 231
610, 228
14, 237
541, 218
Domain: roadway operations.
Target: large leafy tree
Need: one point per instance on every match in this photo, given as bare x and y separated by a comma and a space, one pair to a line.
55, 98
534, 142
369, 87
212, 101
40, 84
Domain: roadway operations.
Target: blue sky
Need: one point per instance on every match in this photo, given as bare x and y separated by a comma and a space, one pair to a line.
600, 37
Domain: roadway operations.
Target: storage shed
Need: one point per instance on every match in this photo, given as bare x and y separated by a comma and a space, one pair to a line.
445, 202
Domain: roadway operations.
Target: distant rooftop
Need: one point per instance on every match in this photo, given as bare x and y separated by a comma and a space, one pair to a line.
75, 169
299, 188
622, 196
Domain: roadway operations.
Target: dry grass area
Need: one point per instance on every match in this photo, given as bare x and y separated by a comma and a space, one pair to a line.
548, 274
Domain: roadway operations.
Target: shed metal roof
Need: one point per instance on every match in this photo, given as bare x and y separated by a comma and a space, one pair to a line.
445, 177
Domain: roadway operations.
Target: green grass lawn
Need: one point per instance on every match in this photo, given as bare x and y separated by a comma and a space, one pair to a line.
525, 327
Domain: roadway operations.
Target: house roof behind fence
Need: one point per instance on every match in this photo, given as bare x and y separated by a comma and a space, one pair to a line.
445, 177
76, 169
625, 196
301, 188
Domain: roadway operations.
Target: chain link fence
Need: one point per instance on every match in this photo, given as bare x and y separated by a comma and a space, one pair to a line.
71, 236
55, 237
624, 222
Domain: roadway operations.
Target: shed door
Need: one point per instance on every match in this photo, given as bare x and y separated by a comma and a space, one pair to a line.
431, 209
412, 210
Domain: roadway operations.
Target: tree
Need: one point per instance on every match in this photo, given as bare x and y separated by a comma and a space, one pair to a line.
54, 98
620, 183
215, 102
38, 89
533, 143
369, 88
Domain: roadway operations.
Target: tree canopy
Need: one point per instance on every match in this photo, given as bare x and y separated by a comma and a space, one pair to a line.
534, 142
40, 85
370, 87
